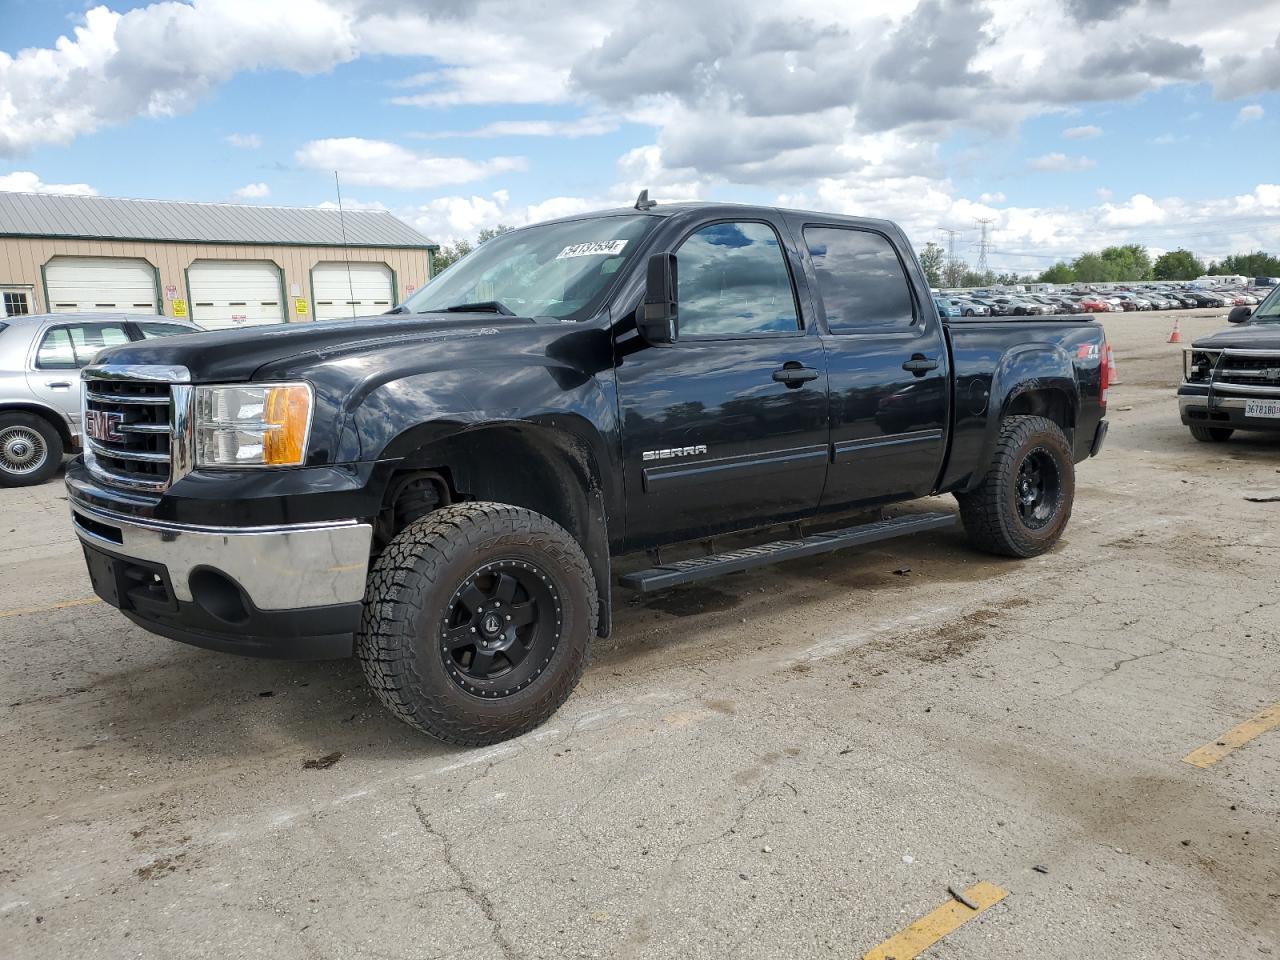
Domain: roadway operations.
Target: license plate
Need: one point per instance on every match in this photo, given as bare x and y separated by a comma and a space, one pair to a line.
1262, 408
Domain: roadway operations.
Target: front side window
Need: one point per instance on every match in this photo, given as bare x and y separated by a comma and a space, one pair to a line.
733, 281
72, 347
860, 278
560, 270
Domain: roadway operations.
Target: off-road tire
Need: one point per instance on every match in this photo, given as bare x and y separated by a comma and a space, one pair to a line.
410, 589
1211, 434
990, 512
40, 430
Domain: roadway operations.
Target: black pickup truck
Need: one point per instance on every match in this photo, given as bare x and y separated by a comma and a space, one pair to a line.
1231, 380
443, 491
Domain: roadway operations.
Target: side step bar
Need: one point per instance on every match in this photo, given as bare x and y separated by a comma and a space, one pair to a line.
703, 568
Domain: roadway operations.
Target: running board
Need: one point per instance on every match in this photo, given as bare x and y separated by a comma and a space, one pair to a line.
703, 568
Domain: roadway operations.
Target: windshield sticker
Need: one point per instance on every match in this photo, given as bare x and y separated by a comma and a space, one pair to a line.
596, 248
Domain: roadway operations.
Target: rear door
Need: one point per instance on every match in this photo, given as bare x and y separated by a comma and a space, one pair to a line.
727, 427
62, 349
887, 367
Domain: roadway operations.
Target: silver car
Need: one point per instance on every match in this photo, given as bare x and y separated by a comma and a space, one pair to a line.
40, 361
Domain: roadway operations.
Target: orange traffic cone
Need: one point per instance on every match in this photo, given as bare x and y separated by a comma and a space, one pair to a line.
1113, 375
1176, 336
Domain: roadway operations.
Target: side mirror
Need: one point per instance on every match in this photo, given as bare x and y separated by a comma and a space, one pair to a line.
1239, 314
658, 319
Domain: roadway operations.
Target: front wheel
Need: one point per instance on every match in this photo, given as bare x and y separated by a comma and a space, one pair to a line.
477, 622
30, 449
1211, 434
1024, 502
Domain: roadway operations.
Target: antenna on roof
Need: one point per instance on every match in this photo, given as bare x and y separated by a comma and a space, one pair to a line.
346, 253
643, 202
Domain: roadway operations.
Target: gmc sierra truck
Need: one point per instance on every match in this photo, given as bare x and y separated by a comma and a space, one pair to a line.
1231, 380
443, 491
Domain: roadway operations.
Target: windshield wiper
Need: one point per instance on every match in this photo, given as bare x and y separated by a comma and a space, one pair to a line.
484, 306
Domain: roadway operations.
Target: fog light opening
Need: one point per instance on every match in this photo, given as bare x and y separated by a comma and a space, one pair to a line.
219, 596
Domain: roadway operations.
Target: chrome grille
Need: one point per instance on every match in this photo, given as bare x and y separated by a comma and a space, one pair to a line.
136, 425
1240, 370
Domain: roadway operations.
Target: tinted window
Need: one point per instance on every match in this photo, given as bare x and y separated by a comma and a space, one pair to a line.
149, 330
67, 348
733, 279
861, 281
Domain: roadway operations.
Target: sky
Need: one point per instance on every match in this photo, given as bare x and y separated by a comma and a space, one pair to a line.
1068, 124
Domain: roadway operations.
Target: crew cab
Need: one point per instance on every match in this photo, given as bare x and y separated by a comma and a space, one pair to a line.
445, 491
1231, 379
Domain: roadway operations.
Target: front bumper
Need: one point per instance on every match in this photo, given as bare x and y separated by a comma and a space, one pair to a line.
293, 591
1226, 412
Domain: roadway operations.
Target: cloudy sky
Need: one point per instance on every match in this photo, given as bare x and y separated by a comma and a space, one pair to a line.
1069, 123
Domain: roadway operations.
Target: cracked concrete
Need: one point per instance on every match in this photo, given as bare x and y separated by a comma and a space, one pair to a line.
791, 762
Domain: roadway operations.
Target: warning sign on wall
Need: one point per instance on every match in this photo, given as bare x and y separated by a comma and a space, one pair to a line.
300, 306
179, 308
170, 291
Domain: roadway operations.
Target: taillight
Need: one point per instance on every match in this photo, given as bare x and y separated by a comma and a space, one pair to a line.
1104, 371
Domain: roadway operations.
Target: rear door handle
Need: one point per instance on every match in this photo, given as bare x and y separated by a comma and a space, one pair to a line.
919, 364
794, 374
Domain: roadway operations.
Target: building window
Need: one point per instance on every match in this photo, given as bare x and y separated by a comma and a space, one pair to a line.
16, 304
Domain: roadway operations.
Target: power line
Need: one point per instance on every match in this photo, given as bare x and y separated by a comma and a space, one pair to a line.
984, 243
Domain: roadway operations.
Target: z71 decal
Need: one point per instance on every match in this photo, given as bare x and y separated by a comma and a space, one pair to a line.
670, 452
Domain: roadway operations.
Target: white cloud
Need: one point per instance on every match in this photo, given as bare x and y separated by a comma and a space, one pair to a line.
568, 129
1250, 113
253, 191
1060, 163
996, 197
245, 141
24, 181
383, 164
1088, 132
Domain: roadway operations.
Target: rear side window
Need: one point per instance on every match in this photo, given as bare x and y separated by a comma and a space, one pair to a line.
861, 281
72, 347
151, 330
734, 281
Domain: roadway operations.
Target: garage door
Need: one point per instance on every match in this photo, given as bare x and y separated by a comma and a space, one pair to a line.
78, 284
368, 290
234, 293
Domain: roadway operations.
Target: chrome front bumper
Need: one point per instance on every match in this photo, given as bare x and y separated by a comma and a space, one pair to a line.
279, 568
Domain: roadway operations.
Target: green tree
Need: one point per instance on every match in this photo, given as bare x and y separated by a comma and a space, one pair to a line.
1177, 265
1090, 268
1059, 273
488, 233
931, 261
450, 254
953, 273
1129, 262
1255, 264
971, 278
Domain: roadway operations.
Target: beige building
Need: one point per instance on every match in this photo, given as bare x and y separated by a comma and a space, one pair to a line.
221, 265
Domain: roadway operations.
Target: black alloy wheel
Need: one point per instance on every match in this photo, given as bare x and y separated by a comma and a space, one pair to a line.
500, 628
1039, 488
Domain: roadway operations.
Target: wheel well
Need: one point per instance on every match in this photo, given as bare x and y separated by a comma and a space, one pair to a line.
1050, 404
58, 422
522, 466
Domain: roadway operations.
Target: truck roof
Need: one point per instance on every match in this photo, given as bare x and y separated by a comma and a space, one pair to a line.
718, 208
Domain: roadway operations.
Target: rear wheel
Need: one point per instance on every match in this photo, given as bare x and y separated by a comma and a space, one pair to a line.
30, 449
1024, 502
1211, 434
477, 622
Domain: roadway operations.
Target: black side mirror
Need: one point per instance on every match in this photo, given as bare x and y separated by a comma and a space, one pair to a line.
1239, 314
658, 319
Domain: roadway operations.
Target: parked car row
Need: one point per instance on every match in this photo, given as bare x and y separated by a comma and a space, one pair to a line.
994, 303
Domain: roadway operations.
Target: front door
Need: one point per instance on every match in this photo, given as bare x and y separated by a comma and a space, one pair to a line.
887, 364
726, 427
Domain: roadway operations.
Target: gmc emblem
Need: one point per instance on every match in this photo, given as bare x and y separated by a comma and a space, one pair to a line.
104, 425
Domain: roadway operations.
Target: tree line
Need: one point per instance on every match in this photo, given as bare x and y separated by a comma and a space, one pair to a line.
1128, 262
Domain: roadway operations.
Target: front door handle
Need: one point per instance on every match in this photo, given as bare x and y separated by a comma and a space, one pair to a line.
919, 364
794, 374
58, 385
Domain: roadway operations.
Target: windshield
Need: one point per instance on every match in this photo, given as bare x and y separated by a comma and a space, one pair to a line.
1269, 310
560, 270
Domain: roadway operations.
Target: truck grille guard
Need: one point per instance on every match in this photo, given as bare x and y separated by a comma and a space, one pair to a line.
138, 431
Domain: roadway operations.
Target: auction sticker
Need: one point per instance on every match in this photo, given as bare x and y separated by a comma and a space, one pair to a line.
596, 248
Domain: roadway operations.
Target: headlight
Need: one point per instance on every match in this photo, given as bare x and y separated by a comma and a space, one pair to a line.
1196, 365
255, 425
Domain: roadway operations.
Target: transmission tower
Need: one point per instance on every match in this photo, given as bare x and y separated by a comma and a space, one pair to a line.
951, 252
984, 243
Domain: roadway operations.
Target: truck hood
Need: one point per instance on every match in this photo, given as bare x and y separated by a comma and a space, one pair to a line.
230, 356
1246, 336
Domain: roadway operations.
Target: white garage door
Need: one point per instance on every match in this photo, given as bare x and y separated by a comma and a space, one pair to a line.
234, 293
368, 290
77, 284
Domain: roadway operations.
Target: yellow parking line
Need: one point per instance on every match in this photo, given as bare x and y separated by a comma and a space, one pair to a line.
21, 611
933, 926
1234, 738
